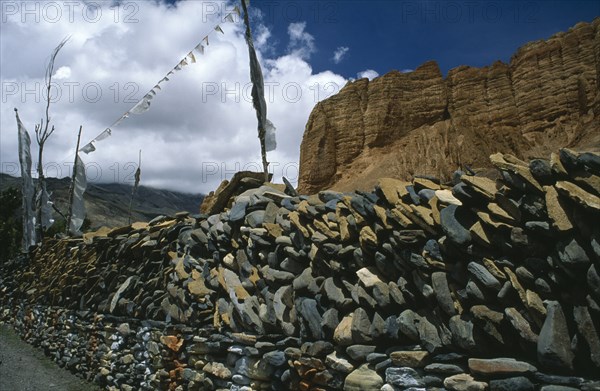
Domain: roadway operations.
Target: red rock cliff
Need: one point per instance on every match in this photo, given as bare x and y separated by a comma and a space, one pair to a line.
402, 124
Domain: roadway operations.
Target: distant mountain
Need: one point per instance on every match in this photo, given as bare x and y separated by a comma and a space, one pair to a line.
108, 204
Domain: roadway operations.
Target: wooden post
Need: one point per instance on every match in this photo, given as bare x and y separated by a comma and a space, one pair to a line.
263, 151
135, 185
255, 95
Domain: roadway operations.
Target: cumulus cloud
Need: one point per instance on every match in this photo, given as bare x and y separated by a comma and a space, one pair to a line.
339, 54
262, 36
368, 73
201, 126
302, 44
61, 73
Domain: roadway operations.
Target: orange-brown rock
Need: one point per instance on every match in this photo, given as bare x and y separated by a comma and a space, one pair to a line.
216, 201
401, 124
172, 342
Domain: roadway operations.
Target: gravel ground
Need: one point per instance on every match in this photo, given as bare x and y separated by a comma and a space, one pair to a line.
25, 368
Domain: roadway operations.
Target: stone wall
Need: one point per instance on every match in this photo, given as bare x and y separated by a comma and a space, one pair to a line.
466, 285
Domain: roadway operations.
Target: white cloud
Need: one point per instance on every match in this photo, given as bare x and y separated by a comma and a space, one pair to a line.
339, 54
61, 73
262, 35
201, 127
406, 70
369, 74
302, 44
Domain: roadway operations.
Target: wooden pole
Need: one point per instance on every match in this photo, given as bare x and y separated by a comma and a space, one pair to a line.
263, 151
72, 187
135, 185
261, 130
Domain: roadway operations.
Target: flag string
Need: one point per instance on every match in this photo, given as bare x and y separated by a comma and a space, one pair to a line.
144, 104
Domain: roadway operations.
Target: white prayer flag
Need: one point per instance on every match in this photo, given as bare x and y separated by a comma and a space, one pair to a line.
78, 207
142, 106
117, 122
106, 134
47, 219
89, 147
27, 189
266, 130
270, 138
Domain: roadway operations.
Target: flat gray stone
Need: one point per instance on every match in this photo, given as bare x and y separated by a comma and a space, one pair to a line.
554, 342
255, 219
428, 335
481, 274
361, 326
122, 289
521, 325
452, 227
276, 358
552, 387
406, 324
441, 289
462, 333
238, 211
403, 377
333, 292
499, 367
572, 254
363, 379
337, 363
446, 369
309, 312
586, 328
359, 352
519, 383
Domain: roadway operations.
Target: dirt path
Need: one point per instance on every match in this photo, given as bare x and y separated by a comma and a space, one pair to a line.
25, 368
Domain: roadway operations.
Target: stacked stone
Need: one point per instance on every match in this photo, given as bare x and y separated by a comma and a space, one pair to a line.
414, 285
151, 355
69, 338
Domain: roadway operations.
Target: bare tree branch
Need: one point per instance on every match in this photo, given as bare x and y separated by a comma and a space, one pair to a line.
43, 136
42, 133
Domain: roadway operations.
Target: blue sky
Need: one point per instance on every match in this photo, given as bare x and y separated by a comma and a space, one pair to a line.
201, 127
391, 34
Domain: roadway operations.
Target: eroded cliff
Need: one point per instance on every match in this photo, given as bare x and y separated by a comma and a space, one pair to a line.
401, 124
